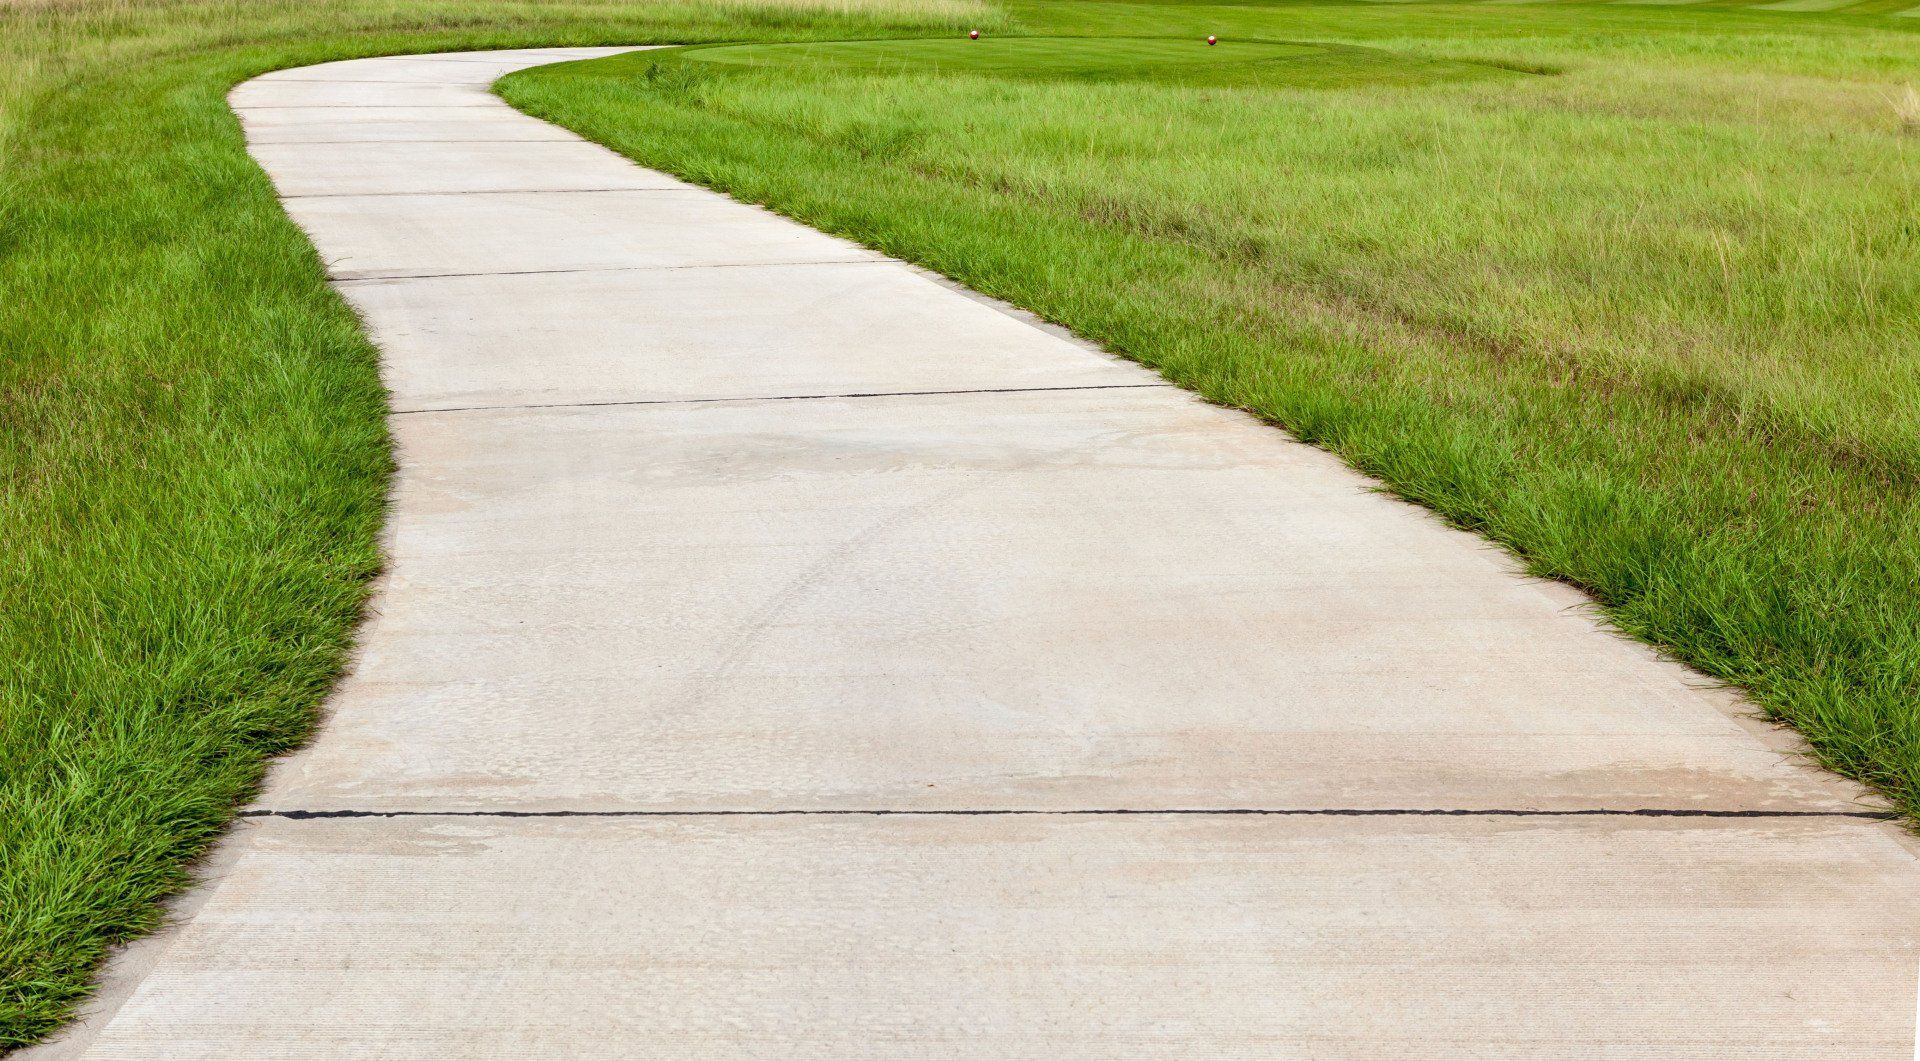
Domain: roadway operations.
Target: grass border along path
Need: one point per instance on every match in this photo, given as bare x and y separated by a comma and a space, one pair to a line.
192, 435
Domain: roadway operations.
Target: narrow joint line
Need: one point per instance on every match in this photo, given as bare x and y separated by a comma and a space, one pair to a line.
370, 81
244, 107
786, 398
613, 269
423, 140
479, 191
403, 57
1092, 812
430, 57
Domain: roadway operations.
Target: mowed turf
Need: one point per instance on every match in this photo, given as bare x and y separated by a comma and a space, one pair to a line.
1188, 61
1644, 308
1097, 58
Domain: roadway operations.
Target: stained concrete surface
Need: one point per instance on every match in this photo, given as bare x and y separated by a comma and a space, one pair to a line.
1030, 937
742, 331
453, 233
1109, 597
358, 168
1021, 706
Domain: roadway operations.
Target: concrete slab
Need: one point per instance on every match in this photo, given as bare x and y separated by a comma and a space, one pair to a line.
1058, 599
453, 342
532, 56
472, 72
481, 67
478, 67
319, 130
437, 235
1040, 937
257, 94
360, 168
635, 663
276, 124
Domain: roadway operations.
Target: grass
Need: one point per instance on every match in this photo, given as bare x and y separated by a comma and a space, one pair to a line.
1186, 61
192, 450
1631, 289
1640, 299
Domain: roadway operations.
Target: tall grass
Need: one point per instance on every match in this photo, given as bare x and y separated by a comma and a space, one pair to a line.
192, 450
1650, 317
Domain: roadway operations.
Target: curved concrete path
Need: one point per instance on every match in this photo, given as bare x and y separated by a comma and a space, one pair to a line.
787, 655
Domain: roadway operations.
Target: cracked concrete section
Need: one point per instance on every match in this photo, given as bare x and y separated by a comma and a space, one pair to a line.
786, 654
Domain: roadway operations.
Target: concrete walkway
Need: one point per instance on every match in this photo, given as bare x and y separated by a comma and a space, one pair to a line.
787, 655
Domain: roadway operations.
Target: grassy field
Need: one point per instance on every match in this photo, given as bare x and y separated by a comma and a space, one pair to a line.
191, 437
1630, 288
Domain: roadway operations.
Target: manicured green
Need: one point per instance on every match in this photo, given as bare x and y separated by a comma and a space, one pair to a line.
1186, 61
192, 453
1645, 307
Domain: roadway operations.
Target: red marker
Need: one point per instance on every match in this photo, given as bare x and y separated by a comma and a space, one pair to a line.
1212, 40
973, 34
